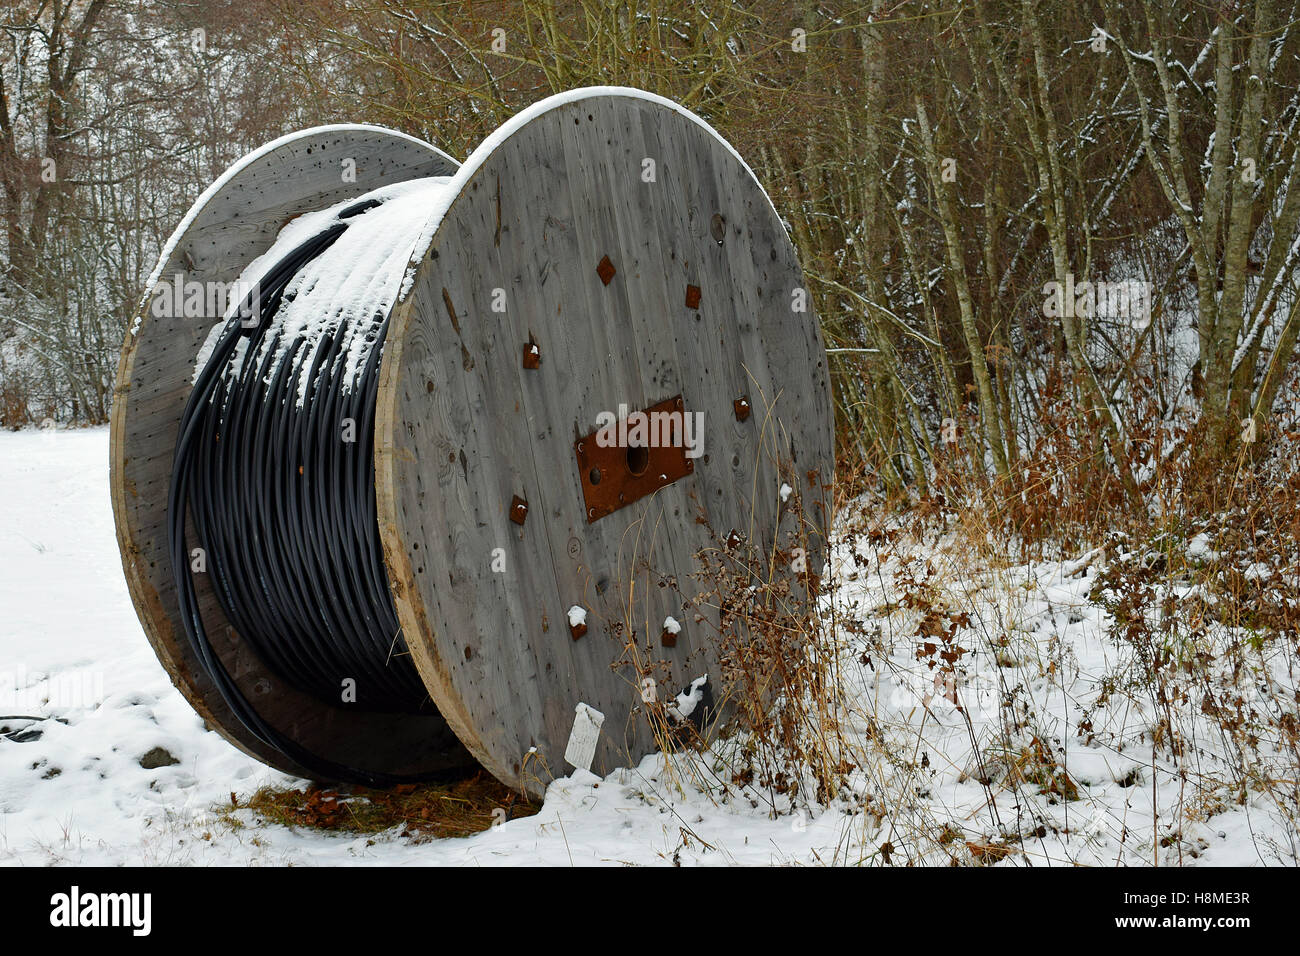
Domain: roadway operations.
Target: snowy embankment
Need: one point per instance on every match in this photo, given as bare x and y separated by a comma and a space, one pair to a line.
80, 784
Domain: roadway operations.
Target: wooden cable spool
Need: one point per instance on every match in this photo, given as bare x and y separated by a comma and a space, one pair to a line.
604, 252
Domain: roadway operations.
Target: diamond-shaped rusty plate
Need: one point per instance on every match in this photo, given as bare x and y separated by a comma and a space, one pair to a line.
605, 269
614, 476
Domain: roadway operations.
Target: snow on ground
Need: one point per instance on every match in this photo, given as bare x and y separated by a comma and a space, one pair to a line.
72, 788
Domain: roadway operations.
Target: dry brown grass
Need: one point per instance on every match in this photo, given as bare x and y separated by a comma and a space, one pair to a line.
423, 812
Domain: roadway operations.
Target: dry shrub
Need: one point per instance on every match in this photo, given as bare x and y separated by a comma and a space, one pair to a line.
1208, 597
13, 407
776, 693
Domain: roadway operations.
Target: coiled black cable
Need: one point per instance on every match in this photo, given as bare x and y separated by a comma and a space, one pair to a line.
283, 505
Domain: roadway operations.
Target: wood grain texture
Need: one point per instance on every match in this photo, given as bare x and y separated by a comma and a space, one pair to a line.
234, 225
462, 426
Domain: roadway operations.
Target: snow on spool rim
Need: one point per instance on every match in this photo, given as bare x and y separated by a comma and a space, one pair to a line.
239, 168
353, 284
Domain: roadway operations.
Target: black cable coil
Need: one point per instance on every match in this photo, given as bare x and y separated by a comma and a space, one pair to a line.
283, 506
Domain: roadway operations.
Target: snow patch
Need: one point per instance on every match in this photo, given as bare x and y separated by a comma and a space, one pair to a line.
688, 699
349, 288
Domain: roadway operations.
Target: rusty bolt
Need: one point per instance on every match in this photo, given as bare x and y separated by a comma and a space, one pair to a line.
518, 510
605, 270
692, 297
668, 638
532, 355
577, 630
741, 406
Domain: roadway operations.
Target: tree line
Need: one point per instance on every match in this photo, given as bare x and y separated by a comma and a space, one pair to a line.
1050, 244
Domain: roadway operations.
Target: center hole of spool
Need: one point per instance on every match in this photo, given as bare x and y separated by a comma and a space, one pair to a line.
638, 459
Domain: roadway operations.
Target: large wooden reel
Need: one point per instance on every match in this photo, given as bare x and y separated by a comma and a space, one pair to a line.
605, 252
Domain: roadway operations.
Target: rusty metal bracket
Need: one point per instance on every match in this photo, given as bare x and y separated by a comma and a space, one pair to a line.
518, 510
639, 461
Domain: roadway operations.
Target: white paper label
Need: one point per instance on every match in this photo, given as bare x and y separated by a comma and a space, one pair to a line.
582, 739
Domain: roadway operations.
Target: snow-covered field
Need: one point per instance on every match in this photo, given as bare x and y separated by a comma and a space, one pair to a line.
72, 788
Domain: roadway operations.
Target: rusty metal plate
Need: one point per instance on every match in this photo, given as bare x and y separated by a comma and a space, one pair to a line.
633, 457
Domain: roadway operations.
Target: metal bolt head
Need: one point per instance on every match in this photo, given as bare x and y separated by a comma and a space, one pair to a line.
518, 510
741, 408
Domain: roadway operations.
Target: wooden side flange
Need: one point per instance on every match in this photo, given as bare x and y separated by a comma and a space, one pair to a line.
233, 222
604, 249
